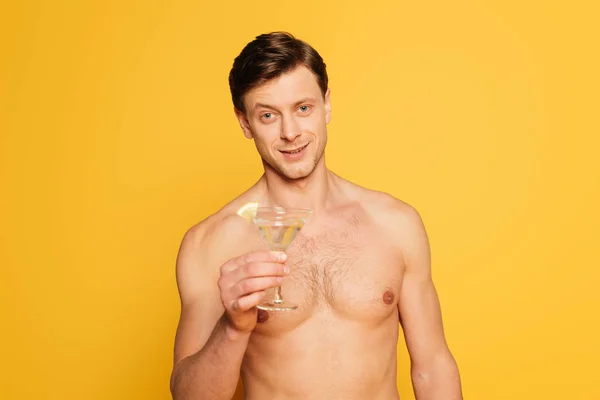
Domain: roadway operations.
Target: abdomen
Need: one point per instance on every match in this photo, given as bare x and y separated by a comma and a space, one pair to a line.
324, 358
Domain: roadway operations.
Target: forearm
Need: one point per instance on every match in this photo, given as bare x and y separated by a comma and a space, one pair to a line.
213, 372
440, 380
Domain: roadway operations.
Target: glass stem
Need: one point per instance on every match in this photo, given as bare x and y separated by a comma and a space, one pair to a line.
278, 294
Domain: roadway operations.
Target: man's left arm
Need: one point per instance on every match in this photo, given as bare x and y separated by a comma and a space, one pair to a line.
434, 371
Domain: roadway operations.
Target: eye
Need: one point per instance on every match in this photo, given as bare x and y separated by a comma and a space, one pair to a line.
267, 115
304, 109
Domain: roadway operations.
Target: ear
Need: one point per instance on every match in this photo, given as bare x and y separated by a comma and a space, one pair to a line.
244, 124
327, 106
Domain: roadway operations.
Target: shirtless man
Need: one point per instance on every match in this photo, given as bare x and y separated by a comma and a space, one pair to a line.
357, 269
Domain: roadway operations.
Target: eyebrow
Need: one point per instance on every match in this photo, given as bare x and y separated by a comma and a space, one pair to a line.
296, 104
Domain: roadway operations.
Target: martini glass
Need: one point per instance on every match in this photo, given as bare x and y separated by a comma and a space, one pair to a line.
278, 227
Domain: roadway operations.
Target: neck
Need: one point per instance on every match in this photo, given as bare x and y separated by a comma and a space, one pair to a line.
312, 192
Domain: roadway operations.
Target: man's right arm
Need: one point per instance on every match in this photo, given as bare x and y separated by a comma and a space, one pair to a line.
208, 353
212, 372
211, 339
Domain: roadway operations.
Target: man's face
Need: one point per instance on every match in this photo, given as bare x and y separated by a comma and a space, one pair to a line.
287, 119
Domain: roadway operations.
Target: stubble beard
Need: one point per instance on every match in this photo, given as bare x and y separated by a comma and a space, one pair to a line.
293, 174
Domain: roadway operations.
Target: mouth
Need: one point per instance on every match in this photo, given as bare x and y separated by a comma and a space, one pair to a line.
294, 151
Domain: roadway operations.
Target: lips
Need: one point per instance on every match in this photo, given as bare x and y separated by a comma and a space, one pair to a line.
294, 151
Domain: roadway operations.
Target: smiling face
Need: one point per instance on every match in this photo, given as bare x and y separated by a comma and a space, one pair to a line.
287, 119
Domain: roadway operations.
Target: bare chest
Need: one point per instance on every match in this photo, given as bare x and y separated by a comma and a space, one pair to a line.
349, 272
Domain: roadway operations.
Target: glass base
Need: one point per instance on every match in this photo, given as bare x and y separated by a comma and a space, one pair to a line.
277, 305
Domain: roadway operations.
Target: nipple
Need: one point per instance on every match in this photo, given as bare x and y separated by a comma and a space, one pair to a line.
262, 316
388, 297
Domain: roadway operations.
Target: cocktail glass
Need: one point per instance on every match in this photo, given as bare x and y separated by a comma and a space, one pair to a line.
278, 227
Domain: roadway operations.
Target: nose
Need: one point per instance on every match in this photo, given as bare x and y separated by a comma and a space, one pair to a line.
290, 129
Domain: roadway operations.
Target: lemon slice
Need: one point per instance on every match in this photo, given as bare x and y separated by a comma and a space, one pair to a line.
248, 211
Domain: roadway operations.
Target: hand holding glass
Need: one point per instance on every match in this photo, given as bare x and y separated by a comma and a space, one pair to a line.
279, 226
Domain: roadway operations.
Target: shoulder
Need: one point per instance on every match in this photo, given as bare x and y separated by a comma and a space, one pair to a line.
217, 230
387, 210
215, 237
398, 222
404, 230
208, 244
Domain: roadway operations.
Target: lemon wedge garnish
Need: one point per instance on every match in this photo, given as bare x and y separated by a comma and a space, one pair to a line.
248, 211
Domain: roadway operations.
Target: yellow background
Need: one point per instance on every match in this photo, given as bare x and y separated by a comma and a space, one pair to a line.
117, 134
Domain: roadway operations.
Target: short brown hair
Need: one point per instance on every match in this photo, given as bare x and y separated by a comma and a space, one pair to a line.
269, 56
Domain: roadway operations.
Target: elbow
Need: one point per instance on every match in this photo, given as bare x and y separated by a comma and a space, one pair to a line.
423, 370
421, 377
175, 382
173, 385
437, 378
185, 386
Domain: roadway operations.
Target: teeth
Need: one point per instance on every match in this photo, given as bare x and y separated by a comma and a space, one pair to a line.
295, 151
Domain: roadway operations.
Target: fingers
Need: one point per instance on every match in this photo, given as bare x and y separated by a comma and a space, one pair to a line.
251, 285
238, 285
244, 279
247, 302
258, 269
261, 256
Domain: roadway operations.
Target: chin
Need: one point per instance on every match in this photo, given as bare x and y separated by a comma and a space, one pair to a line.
299, 172
292, 171
296, 176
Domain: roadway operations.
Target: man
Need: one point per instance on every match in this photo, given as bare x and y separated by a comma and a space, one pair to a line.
358, 268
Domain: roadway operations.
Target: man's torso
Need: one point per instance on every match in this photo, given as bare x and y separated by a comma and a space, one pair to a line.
346, 276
